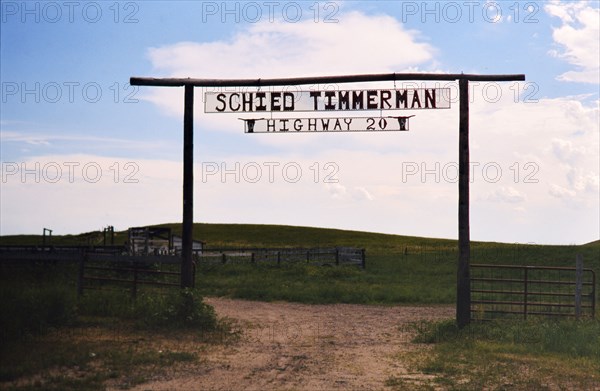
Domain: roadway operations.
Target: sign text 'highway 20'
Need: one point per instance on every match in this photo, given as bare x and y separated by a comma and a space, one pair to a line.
329, 100
345, 124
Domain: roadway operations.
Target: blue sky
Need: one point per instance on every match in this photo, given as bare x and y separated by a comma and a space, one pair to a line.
81, 149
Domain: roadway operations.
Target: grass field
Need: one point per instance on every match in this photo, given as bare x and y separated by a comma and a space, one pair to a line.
400, 269
38, 304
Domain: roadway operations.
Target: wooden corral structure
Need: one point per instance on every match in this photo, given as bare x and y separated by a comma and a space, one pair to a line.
157, 241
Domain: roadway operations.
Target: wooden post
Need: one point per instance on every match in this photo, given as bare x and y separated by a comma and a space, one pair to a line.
194, 273
146, 239
44, 243
81, 273
578, 284
525, 292
463, 288
135, 280
364, 258
337, 256
278, 258
187, 274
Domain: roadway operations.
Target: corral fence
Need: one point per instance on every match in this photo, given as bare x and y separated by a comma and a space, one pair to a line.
331, 256
49, 253
128, 273
518, 292
326, 256
113, 268
99, 268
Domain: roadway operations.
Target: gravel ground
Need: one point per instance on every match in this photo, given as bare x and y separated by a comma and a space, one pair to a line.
288, 346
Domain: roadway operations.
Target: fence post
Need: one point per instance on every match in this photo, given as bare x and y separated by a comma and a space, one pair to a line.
593, 294
337, 256
578, 284
224, 260
252, 260
135, 280
193, 274
363, 258
525, 292
80, 274
278, 258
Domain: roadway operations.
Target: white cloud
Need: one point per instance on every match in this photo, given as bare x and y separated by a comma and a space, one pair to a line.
507, 194
336, 190
582, 180
361, 194
32, 139
578, 39
76, 142
341, 193
561, 192
566, 152
358, 43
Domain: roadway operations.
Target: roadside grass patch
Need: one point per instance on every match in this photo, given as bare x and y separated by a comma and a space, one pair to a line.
512, 355
52, 340
86, 359
154, 310
32, 311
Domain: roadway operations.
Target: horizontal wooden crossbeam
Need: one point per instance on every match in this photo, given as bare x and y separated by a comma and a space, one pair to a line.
180, 82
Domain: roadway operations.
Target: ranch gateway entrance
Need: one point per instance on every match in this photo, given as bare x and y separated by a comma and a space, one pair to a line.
290, 101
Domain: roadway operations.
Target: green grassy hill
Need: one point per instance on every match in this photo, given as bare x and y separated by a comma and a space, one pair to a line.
255, 235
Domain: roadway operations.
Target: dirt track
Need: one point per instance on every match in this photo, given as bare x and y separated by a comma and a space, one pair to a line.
304, 347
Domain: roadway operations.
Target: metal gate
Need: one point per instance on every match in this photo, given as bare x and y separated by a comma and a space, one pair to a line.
517, 292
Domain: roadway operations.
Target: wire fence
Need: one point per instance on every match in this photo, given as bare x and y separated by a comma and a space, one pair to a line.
331, 256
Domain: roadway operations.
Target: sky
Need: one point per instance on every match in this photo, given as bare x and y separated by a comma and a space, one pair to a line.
81, 149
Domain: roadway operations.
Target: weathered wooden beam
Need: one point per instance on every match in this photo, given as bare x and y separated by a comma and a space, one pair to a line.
463, 281
187, 232
179, 82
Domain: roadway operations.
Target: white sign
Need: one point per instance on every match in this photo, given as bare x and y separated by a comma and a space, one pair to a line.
345, 124
330, 100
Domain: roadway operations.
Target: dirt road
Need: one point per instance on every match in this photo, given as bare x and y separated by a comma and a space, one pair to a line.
287, 346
